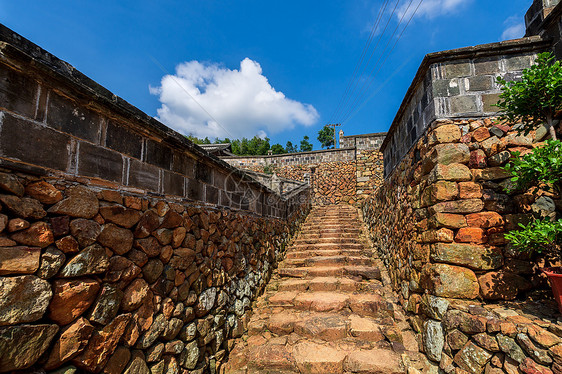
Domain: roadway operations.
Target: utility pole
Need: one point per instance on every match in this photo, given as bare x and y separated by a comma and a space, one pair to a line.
334, 126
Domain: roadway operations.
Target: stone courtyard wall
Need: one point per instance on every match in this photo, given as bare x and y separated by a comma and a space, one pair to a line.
124, 248
438, 223
345, 175
439, 218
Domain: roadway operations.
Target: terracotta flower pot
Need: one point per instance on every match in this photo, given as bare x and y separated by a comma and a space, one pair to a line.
554, 275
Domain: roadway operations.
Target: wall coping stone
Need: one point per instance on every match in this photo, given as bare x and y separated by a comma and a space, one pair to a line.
366, 135
289, 154
517, 46
15, 46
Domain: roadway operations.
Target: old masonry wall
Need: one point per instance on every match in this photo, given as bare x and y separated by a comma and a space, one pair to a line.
124, 248
438, 220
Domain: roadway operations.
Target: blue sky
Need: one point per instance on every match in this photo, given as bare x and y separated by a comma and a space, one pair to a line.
255, 67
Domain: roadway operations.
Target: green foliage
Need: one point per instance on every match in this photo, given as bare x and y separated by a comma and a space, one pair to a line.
533, 101
536, 98
542, 166
277, 149
326, 137
197, 140
269, 169
306, 145
290, 148
538, 235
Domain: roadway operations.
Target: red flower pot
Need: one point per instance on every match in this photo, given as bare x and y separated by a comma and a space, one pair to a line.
554, 275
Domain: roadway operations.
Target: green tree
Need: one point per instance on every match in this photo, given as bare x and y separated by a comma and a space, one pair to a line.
306, 145
277, 149
290, 147
536, 98
326, 137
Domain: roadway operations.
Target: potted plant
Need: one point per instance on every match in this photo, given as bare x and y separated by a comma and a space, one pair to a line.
533, 102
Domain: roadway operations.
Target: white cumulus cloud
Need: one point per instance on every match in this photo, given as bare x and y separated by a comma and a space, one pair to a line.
430, 8
206, 99
514, 28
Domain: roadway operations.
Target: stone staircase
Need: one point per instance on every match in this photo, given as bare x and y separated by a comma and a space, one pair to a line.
327, 309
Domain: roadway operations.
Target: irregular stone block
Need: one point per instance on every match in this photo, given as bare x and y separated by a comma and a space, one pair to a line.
472, 358
23, 299
45, 192
433, 339
73, 340
92, 260
118, 239
453, 172
21, 346
51, 262
458, 206
102, 344
71, 299
473, 256
81, 202
37, 235
450, 281
19, 260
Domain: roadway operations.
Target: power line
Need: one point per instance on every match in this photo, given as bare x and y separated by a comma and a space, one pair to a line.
387, 55
360, 93
352, 94
360, 62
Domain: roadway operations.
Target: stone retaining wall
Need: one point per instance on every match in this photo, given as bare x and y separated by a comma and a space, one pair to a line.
101, 279
438, 223
332, 182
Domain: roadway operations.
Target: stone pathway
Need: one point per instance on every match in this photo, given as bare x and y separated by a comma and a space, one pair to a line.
328, 308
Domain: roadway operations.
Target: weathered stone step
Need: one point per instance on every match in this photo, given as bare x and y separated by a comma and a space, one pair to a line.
371, 305
333, 231
328, 327
365, 272
326, 261
331, 235
326, 240
326, 246
326, 284
324, 252
328, 226
307, 357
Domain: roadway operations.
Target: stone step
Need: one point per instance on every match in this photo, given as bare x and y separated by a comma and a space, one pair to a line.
311, 357
365, 272
327, 235
324, 252
326, 261
336, 246
327, 327
327, 240
325, 284
330, 225
370, 305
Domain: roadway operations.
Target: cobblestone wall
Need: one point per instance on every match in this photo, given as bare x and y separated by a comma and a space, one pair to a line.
99, 279
438, 223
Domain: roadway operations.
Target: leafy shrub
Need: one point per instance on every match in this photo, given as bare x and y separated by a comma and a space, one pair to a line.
539, 235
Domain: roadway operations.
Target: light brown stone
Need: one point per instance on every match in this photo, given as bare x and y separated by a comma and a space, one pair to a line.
73, 340
71, 299
102, 344
81, 202
44, 192
450, 281
19, 260
37, 235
